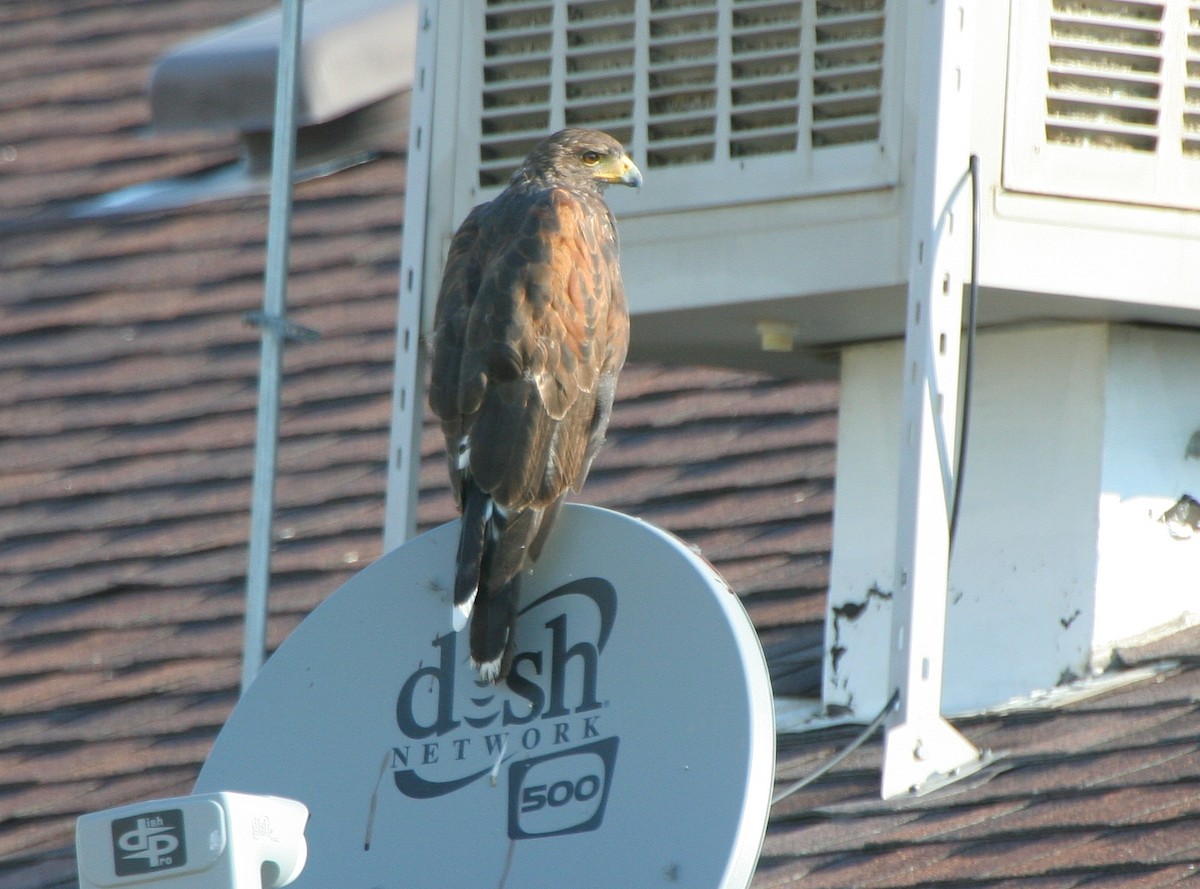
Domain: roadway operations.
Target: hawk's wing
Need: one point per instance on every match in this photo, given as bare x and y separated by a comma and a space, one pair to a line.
531, 331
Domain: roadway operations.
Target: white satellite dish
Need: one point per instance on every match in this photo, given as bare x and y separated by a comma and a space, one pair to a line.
632, 746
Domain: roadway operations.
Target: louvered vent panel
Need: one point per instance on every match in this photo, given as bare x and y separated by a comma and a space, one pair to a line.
682, 88
1104, 100
516, 84
600, 66
712, 84
847, 72
1191, 88
1105, 74
765, 88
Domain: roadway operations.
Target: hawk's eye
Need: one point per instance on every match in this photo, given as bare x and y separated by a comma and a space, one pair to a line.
591, 158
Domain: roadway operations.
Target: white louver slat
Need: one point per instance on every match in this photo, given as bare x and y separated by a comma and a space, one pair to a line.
747, 94
1105, 101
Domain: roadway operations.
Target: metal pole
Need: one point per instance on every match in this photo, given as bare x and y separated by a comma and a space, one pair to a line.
283, 159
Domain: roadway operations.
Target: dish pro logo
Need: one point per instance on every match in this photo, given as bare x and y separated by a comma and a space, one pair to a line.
147, 843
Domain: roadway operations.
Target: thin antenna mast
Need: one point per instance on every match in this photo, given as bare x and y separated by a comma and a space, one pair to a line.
274, 332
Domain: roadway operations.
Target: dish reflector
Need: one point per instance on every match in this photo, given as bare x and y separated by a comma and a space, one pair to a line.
633, 744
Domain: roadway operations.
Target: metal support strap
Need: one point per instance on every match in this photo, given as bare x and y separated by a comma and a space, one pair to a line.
404, 465
920, 745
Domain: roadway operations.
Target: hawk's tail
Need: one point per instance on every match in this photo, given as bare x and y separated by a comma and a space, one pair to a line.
492, 630
477, 509
493, 545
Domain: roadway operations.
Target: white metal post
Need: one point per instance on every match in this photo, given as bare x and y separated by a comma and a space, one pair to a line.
919, 744
408, 397
274, 332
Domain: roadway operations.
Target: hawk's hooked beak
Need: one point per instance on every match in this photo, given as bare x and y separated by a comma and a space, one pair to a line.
630, 174
623, 172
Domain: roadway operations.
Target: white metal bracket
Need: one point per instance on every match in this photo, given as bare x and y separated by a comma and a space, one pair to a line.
920, 746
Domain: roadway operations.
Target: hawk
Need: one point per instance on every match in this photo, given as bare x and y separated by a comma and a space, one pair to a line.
530, 332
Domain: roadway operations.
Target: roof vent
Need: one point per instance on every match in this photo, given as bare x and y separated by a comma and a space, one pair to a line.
354, 53
354, 80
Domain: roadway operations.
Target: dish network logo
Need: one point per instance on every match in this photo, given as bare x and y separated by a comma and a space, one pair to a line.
546, 729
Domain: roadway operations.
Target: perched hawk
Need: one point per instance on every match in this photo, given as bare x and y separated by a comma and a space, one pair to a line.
530, 333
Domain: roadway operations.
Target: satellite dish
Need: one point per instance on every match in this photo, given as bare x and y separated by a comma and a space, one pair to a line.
633, 744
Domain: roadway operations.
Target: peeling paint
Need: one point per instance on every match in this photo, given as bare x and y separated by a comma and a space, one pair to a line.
850, 611
1182, 519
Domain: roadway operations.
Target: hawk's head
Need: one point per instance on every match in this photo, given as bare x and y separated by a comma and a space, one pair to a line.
581, 158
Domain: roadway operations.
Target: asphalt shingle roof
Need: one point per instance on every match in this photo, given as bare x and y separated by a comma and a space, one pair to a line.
127, 395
